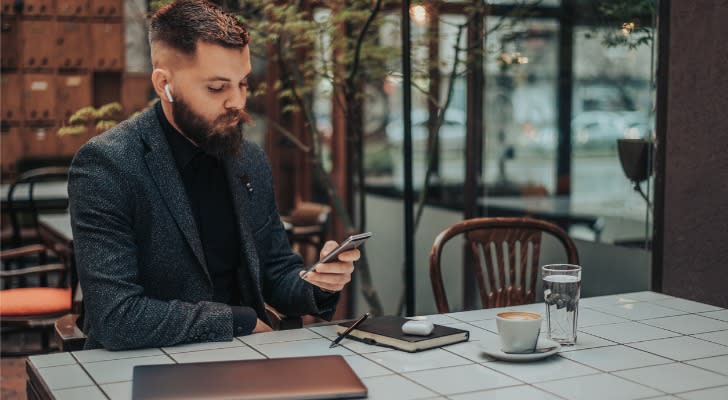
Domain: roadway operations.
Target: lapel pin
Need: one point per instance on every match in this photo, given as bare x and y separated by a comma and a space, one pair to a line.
246, 182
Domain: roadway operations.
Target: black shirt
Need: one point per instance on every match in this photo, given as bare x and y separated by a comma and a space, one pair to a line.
205, 181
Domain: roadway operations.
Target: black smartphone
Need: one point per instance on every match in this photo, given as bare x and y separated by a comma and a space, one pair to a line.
352, 242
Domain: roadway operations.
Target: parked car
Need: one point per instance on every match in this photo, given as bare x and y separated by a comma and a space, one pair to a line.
601, 129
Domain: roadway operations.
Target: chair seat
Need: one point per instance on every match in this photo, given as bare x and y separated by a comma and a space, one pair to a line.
34, 301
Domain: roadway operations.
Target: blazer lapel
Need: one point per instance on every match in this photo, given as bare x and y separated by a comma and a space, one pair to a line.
166, 176
235, 176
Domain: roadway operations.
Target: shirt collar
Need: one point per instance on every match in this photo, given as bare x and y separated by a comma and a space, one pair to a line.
182, 150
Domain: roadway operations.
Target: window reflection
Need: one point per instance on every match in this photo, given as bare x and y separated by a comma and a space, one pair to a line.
520, 107
611, 99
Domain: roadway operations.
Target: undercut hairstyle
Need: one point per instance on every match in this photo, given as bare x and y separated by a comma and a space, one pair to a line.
181, 24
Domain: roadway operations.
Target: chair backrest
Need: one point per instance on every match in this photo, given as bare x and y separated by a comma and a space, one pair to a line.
503, 255
309, 228
30, 178
307, 213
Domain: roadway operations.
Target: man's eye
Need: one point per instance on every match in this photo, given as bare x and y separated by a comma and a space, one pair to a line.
215, 89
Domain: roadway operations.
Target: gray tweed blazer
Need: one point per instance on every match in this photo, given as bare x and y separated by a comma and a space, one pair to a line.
140, 261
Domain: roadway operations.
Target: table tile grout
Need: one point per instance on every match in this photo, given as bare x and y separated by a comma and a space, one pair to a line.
597, 371
97, 385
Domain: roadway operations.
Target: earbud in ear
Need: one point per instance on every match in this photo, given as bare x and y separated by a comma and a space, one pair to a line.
168, 93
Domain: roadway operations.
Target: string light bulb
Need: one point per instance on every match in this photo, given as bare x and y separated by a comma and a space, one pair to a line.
418, 13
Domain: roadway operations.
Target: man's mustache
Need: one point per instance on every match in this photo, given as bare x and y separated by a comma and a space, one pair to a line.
233, 115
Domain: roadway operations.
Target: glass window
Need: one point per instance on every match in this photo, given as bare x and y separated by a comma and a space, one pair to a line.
611, 100
387, 147
520, 107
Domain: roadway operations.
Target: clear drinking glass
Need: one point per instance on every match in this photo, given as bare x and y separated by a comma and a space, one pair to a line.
561, 289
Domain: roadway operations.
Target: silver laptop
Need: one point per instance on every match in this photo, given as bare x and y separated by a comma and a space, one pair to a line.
324, 377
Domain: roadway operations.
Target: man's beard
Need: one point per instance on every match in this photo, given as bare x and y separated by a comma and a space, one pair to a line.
221, 139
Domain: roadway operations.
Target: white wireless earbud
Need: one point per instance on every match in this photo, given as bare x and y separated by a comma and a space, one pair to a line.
168, 93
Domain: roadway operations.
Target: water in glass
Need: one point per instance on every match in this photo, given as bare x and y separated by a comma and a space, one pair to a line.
562, 286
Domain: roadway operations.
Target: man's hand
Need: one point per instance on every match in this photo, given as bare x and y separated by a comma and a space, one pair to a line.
261, 326
333, 276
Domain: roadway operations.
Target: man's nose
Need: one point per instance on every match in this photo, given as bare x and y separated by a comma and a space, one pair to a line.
236, 100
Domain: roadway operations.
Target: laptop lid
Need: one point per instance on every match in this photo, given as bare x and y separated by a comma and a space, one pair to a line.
323, 377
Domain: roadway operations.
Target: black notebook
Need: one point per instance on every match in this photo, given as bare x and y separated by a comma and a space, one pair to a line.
387, 331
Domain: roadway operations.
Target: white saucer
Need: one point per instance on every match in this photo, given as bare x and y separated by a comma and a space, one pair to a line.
544, 348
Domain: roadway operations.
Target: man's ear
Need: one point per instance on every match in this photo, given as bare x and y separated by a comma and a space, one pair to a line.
161, 78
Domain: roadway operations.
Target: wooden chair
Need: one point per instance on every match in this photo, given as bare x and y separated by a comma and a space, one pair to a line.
309, 226
37, 307
23, 214
504, 254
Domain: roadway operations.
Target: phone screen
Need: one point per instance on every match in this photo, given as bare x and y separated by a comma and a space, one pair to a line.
351, 242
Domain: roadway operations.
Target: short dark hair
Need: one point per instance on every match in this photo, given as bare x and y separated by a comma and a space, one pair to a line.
181, 24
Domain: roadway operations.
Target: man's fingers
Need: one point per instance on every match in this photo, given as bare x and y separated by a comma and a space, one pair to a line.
335, 268
331, 288
328, 246
350, 255
318, 278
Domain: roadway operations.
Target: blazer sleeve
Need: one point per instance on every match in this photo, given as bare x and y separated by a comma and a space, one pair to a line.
283, 288
118, 314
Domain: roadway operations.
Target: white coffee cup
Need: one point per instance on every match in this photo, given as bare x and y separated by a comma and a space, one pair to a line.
518, 331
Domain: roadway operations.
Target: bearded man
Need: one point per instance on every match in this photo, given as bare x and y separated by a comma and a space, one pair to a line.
176, 230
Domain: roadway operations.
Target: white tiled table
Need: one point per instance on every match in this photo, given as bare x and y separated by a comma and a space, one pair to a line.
641, 345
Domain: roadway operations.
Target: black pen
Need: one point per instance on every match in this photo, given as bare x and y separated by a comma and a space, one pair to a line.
348, 331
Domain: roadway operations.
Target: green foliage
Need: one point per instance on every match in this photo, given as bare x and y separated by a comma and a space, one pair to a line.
157, 4
289, 36
82, 116
72, 130
631, 32
103, 118
105, 125
108, 111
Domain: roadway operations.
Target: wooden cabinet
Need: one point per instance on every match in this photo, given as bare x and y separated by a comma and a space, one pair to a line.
38, 43
12, 97
38, 8
39, 97
107, 8
107, 46
58, 56
74, 93
74, 44
12, 148
10, 56
68, 145
40, 141
72, 8
7, 7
